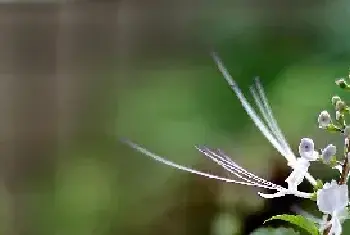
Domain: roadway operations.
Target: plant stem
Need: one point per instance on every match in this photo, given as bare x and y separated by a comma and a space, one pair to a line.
343, 177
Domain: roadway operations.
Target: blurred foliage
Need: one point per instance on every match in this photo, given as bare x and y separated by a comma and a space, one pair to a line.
271, 231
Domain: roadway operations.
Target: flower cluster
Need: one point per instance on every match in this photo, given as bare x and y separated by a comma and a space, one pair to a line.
332, 198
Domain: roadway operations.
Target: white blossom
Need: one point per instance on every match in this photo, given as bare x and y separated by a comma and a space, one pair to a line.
298, 174
272, 132
332, 199
301, 167
274, 135
328, 153
307, 149
324, 119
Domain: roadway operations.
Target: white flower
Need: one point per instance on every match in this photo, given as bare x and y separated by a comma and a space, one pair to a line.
272, 131
328, 152
335, 99
298, 174
307, 149
332, 197
324, 119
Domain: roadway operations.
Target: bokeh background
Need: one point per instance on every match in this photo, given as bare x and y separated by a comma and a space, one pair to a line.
77, 77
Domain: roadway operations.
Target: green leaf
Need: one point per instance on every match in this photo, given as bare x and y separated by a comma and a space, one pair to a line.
274, 231
298, 220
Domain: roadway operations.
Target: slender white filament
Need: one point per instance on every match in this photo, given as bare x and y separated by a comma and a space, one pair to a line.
190, 170
269, 119
266, 111
230, 166
273, 121
280, 190
250, 111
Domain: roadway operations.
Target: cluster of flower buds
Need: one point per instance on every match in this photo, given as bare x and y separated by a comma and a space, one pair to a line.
325, 119
342, 83
332, 198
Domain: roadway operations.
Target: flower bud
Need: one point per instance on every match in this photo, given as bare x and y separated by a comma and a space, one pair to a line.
341, 83
328, 153
324, 119
340, 105
306, 149
337, 115
335, 99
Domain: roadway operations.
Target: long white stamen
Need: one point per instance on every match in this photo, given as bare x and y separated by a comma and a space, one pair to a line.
250, 111
266, 117
271, 122
232, 170
278, 131
184, 168
262, 109
237, 170
233, 166
289, 153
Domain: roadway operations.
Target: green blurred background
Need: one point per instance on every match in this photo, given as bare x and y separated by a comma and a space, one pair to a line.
78, 77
